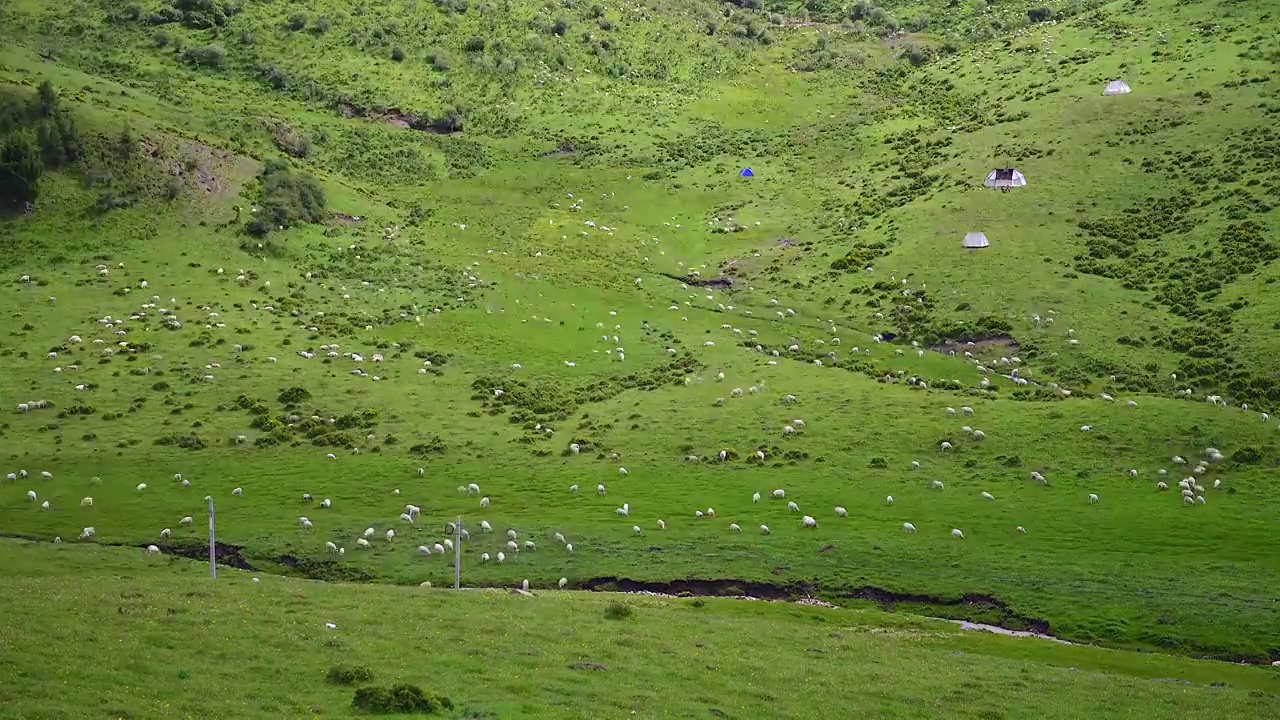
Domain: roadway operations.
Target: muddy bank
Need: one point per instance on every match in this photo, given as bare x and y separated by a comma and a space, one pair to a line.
966, 625
227, 555
717, 283
1004, 344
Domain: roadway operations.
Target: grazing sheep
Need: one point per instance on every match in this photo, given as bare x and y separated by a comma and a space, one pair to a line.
955, 533
439, 549
711, 512
697, 514
662, 524
937, 485
764, 530
793, 507
779, 493
1200, 499
166, 533
888, 500
141, 487
1093, 499
362, 542
600, 489
988, 496
46, 475
473, 489
484, 502
841, 512
1161, 486
755, 498
511, 534
915, 465
808, 522
946, 446
622, 471
484, 557
966, 410
326, 503
908, 528
1021, 530
573, 488
153, 550
86, 502
391, 535
331, 547
501, 557
569, 547
734, 527
563, 582
635, 529
513, 546
238, 491
369, 532
485, 526
185, 521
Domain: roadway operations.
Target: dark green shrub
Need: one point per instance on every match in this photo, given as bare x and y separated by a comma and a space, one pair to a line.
397, 54
212, 57
297, 21
398, 699
348, 674
290, 396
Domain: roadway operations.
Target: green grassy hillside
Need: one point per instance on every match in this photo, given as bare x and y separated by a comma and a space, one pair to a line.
534, 215
182, 645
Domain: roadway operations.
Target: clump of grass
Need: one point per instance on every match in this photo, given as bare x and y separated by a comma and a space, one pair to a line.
618, 610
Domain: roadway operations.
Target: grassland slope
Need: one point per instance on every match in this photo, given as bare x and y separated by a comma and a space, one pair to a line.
376, 253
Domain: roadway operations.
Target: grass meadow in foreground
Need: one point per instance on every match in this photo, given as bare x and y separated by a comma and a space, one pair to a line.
106, 632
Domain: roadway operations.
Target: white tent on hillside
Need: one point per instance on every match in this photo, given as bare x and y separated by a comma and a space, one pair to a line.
975, 240
1005, 178
1116, 87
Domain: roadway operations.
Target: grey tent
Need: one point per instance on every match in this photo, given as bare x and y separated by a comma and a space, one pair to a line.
1116, 87
975, 240
1005, 178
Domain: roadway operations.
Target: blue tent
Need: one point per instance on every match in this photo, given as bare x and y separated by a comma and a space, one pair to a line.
746, 172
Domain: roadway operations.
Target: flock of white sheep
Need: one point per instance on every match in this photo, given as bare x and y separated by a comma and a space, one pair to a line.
1192, 492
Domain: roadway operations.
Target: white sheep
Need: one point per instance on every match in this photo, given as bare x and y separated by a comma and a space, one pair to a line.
600, 489
793, 507
473, 489
808, 522
764, 530
662, 524
635, 529
1161, 486
331, 547
326, 503
153, 550
569, 547
988, 496
915, 465
779, 493
238, 491
141, 487
622, 471
501, 557
573, 488
1093, 499
966, 410
369, 532
937, 485
955, 533
484, 502
888, 500
946, 446
439, 549
485, 526
841, 512
166, 533
86, 502
511, 534
1021, 530
362, 542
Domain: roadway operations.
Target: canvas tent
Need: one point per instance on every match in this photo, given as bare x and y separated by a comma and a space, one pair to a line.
975, 240
1116, 87
1005, 178
746, 172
